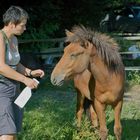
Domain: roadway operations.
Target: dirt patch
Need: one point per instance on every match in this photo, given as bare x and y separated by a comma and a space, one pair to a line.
132, 93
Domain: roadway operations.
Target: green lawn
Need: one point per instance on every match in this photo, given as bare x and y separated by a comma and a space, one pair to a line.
50, 115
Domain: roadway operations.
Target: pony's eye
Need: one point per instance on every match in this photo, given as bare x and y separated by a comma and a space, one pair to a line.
73, 56
66, 43
76, 54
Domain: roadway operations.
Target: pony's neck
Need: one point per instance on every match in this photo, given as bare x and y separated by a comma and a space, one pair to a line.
99, 69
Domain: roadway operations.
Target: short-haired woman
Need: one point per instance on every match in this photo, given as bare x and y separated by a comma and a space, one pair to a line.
12, 72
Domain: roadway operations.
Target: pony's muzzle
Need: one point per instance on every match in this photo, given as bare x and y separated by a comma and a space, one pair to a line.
57, 80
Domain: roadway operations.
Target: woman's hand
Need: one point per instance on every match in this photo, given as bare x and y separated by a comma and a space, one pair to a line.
37, 73
30, 83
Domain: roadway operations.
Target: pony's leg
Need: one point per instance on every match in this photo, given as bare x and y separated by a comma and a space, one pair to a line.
100, 110
93, 116
80, 108
117, 123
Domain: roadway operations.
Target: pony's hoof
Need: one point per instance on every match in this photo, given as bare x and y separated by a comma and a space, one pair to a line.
103, 135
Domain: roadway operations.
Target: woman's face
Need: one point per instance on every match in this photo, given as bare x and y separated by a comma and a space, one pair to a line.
20, 28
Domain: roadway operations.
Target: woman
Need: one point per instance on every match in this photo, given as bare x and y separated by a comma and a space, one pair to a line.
12, 72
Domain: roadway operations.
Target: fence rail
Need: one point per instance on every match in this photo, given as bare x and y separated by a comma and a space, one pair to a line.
136, 68
42, 40
55, 52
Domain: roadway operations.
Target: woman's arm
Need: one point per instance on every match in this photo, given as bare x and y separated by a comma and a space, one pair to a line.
22, 69
8, 72
28, 72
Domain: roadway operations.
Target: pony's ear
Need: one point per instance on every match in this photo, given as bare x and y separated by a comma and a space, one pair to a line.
68, 33
87, 44
90, 48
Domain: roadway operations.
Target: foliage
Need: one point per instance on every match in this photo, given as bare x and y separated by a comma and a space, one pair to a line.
37, 35
65, 13
43, 24
133, 77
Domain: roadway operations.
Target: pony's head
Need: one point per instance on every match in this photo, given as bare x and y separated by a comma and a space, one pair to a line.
86, 46
75, 59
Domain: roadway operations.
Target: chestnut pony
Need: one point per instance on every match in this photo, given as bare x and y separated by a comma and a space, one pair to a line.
98, 53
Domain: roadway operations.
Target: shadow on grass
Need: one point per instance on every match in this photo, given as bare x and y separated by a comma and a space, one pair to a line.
131, 129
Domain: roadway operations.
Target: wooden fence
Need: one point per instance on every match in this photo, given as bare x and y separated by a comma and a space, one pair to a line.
55, 52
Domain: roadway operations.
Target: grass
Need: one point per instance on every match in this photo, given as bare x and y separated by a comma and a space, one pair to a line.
50, 115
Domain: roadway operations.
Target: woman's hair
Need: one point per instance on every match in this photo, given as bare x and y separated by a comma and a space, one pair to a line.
14, 14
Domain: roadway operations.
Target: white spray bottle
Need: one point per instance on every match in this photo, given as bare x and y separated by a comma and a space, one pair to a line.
24, 96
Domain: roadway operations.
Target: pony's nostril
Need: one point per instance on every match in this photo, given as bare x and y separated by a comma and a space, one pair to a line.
53, 81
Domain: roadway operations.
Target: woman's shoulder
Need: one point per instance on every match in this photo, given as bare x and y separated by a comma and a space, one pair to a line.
2, 41
1, 36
